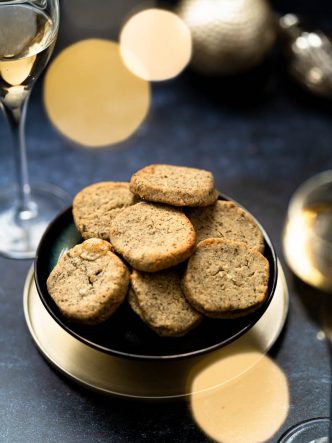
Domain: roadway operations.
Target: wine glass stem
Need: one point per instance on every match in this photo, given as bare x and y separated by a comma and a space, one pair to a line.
16, 118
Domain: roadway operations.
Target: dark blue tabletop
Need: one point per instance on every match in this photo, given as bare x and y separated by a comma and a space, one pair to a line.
259, 154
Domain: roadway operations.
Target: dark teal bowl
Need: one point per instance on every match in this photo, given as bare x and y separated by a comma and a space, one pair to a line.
124, 334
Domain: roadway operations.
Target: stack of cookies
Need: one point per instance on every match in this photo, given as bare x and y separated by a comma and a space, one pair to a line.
166, 243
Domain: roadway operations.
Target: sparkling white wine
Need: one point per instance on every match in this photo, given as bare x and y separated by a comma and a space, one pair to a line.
27, 38
308, 244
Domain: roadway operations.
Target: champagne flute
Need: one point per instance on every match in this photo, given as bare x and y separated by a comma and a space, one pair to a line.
28, 31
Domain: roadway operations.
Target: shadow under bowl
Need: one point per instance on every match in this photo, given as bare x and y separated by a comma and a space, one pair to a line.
124, 334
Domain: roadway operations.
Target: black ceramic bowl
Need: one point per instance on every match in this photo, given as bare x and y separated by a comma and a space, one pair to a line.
124, 334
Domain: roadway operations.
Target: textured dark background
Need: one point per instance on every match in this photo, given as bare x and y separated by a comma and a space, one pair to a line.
259, 153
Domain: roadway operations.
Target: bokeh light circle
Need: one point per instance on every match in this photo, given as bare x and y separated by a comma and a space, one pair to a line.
91, 97
250, 408
155, 44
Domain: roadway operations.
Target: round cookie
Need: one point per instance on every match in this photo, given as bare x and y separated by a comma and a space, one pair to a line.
226, 279
226, 220
89, 282
158, 299
174, 185
152, 237
96, 205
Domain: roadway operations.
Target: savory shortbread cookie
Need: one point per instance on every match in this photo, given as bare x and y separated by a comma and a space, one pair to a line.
226, 220
95, 206
226, 279
158, 299
174, 185
89, 282
152, 237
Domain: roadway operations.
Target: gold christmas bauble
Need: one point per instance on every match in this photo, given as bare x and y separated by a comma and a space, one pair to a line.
229, 36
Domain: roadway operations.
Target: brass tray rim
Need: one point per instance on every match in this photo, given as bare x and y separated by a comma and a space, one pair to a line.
94, 386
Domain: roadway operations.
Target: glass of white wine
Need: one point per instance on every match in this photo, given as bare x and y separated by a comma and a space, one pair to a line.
28, 31
307, 244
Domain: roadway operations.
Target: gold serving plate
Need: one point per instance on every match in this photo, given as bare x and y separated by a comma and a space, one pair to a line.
146, 379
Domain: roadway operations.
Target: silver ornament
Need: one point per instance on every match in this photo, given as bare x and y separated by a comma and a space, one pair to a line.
229, 36
310, 55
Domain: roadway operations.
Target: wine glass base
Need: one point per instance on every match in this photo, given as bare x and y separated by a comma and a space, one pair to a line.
315, 430
20, 238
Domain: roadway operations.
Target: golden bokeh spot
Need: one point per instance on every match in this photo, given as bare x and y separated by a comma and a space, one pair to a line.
155, 44
224, 366
91, 97
250, 408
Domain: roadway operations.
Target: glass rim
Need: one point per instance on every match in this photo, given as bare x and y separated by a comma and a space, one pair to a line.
290, 434
37, 3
